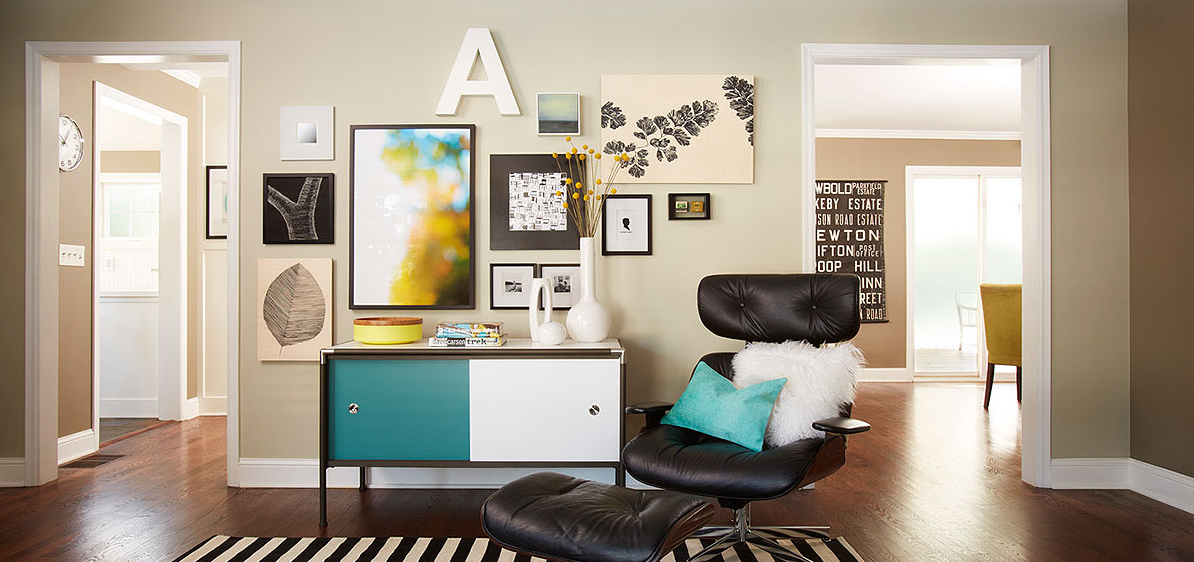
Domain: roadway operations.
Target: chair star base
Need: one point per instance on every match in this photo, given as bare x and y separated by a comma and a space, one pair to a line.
759, 537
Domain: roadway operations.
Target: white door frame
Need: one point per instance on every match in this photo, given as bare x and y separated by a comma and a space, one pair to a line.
41, 231
1036, 423
910, 175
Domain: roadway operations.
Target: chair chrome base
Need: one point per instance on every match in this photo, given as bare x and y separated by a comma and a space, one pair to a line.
758, 537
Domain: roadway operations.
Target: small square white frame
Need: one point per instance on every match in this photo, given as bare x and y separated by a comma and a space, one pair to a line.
560, 134
289, 120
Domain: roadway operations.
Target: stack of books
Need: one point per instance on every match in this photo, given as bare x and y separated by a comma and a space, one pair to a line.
467, 334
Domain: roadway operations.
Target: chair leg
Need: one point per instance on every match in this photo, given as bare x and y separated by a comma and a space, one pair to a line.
1019, 384
990, 381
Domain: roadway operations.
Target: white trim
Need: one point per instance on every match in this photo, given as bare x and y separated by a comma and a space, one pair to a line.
884, 374
304, 473
960, 376
190, 408
1163, 485
1036, 422
213, 405
130, 177
12, 472
76, 445
915, 134
127, 408
185, 76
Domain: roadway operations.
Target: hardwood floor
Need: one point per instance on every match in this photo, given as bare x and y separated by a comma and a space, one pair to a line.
937, 479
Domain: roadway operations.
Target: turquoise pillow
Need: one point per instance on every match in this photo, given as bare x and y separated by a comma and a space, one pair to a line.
714, 406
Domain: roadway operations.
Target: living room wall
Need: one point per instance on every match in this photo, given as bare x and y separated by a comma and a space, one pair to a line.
387, 62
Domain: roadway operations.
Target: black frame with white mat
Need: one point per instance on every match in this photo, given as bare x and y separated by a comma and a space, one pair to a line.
629, 237
548, 271
522, 291
501, 236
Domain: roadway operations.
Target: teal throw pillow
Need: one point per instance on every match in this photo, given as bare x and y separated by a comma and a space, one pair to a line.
714, 406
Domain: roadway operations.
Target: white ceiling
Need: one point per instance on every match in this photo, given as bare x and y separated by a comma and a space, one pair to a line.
919, 100
120, 131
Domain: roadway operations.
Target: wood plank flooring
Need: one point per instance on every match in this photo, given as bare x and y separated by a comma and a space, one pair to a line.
937, 479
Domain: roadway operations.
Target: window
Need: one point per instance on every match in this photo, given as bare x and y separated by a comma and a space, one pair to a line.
129, 218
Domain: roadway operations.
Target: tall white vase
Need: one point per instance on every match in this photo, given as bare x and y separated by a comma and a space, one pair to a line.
588, 321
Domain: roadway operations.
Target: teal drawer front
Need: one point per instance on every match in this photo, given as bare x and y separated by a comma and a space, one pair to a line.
405, 409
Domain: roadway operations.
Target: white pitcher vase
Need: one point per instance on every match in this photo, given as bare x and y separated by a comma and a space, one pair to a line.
588, 321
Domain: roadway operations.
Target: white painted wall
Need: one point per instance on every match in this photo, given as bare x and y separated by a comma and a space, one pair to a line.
127, 341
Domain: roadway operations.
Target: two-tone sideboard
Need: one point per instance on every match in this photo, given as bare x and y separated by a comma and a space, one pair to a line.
520, 405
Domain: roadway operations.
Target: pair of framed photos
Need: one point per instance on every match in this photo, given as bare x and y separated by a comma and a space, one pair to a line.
626, 225
510, 284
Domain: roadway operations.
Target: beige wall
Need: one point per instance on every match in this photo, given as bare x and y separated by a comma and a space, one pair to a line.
385, 62
885, 344
75, 220
131, 161
1160, 86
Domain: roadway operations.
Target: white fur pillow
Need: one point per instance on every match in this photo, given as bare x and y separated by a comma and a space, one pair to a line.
820, 381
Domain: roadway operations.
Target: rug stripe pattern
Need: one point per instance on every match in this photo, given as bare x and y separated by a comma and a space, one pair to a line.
427, 549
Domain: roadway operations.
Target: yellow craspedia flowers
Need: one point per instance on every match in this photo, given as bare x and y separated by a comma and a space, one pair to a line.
586, 198
575, 195
582, 157
597, 156
567, 139
555, 155
565, 204
597, 181
578, 185
613, 190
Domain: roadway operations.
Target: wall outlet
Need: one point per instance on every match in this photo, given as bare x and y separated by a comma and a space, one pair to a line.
71, 255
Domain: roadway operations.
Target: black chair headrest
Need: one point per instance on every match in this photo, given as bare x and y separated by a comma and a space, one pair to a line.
814, 307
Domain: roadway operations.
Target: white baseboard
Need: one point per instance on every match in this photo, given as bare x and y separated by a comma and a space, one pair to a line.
213, 405
12, 472
304, 473
1165, 486
190, 408
128, 407
884, 374
76, 445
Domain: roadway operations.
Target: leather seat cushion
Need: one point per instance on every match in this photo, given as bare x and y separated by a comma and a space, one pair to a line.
564, 518
675, 458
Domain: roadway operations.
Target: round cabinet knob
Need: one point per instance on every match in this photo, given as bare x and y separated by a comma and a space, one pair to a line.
353, 408
594, 410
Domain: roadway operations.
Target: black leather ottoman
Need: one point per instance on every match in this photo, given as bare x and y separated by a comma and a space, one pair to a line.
559, 517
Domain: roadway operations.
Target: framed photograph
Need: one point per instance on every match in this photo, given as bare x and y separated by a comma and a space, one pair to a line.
294, 308
510, 285
217, 202
307, 132
297, 209
687, 206
558, 113
411, 234
564, 281
524, 211
626, 225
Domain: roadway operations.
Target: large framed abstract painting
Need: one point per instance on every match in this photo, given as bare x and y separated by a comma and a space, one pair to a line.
682, 128
294, 308
526, 209
297, 209
412, 196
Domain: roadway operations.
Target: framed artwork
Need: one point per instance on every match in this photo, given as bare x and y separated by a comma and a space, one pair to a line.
217, 202
510, 285
558, 113
688, 206
680, 129
412, 198
626, 225
307, 132
294, 308
524, 211
298, 209
563, 279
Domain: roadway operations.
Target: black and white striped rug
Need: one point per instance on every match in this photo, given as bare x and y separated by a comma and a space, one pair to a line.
425, 549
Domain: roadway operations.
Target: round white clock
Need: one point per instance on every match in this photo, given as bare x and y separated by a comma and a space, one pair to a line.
70, 144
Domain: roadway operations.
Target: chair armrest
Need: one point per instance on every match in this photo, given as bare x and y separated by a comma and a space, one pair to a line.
653, 410
841, 425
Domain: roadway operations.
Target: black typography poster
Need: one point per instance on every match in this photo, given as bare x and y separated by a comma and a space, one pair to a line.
850, 238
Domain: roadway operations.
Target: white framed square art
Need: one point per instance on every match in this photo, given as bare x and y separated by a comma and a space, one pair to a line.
307, 132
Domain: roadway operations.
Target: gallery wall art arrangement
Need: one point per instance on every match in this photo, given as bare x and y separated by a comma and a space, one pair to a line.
294, 308
526, 209
298, 209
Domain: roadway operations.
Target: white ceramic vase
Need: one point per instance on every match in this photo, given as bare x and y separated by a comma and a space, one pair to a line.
588, 321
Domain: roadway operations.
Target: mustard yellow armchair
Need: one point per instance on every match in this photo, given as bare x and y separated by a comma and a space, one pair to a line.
1001, 318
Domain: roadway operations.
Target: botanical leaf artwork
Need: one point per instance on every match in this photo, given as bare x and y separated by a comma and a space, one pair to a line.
742, 100
294, 307
299, 215
662, 134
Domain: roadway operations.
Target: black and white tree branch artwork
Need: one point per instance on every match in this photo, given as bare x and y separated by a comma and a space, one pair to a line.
294, 308
661, 134
299, 215
742, 100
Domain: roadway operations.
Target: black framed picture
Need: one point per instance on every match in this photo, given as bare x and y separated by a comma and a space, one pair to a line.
411, 237
217, 202
563, 280
525, 212
297, 209
688, 206
626, 225
510, 285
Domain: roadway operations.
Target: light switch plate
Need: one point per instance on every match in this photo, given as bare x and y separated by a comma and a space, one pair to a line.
71, 255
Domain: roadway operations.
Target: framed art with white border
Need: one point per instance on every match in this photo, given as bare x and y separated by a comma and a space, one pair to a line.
563, 279
307, 132
626, 225
557, 113
510, 285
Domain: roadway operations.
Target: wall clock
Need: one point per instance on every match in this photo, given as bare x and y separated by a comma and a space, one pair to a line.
70, 144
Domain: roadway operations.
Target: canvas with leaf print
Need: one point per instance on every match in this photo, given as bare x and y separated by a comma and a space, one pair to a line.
680, 128
294, 308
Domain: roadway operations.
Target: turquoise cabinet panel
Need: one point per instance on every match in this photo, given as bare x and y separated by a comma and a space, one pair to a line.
382, 409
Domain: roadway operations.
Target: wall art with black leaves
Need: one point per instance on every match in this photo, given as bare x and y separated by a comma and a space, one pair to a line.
294, 308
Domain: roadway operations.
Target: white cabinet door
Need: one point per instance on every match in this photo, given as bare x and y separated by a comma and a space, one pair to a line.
544, 409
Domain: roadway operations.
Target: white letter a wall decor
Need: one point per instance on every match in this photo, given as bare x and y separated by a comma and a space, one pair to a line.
477, 41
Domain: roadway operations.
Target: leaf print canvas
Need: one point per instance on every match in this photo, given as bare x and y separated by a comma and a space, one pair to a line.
680, 128
294, 308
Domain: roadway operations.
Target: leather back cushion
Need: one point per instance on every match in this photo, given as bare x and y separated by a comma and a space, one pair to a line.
813, 307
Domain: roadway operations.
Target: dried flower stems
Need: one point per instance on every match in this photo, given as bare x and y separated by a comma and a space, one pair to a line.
584, 191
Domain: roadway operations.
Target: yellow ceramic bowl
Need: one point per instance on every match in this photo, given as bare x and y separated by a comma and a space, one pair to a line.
387, 330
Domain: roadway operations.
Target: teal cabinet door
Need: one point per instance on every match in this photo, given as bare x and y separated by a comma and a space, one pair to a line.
398, 409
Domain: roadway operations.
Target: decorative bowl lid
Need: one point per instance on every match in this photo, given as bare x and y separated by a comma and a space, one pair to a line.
388, 321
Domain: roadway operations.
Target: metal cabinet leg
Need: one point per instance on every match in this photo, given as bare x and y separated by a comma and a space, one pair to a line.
323, 497
363, 473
